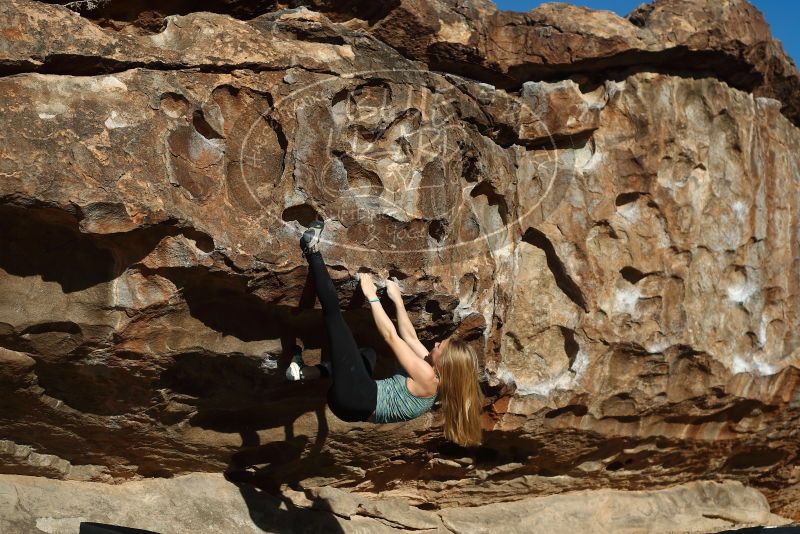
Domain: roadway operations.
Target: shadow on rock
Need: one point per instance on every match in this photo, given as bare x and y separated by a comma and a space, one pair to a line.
90, 527
261, 471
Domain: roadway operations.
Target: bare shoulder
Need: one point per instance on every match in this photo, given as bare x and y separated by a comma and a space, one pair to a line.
426, 388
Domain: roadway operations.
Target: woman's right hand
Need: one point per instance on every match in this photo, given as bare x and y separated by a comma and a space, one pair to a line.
393, 290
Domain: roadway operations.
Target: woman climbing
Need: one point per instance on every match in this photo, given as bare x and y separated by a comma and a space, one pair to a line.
448, 372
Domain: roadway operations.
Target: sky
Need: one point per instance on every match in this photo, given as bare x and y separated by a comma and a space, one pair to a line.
782, 15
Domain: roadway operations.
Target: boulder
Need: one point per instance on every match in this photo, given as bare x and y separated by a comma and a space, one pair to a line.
604, 207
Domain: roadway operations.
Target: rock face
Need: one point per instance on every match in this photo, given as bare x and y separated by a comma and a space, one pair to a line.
613, 224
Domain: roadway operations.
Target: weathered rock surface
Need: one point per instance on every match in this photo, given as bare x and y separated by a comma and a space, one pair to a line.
729, 40
209, 503
621, 248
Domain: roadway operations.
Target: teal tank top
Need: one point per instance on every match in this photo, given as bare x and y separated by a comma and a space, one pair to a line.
396, 403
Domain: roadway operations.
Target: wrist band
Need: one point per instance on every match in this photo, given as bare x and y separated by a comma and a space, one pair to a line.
374, 300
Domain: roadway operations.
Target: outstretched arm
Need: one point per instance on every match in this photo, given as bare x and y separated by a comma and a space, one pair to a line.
407, 332
417, 368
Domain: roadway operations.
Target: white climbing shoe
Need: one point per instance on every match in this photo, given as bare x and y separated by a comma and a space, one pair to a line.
309, 242
293, 372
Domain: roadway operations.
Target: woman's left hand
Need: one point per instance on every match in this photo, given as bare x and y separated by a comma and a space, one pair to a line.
368, 286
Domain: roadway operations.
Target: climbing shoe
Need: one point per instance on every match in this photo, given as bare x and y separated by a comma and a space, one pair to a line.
293, 372
309, 242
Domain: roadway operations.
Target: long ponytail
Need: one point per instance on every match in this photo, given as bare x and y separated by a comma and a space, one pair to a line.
460, 394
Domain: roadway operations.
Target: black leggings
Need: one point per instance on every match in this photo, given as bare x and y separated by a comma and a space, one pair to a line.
353, 393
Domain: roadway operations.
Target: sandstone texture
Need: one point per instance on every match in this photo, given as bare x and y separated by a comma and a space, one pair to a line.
606, 207
209, 503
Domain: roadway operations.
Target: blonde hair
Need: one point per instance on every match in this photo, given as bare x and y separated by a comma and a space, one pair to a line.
461, 397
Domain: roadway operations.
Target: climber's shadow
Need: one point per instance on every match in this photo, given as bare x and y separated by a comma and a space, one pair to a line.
278, 514
263, 470
264, 467
269, 509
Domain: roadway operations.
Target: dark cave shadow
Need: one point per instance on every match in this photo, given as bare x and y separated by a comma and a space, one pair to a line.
47, 241
225, 304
